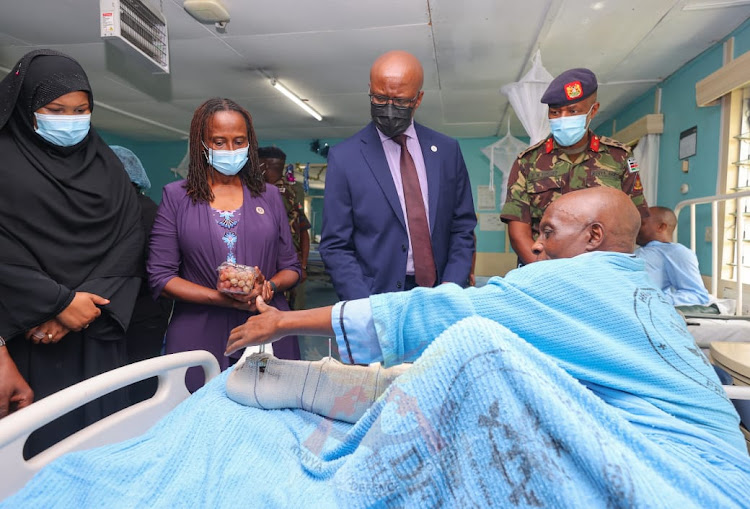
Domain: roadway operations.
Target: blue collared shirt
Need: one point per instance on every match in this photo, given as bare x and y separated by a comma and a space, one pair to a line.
674, 270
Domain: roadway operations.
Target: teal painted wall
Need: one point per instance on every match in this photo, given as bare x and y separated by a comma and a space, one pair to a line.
680, 113
157, 158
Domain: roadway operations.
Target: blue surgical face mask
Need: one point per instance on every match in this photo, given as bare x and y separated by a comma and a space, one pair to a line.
569, 130
63, 130
227, 162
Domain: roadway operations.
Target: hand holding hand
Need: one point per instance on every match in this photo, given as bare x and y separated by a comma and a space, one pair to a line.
257, 330
50, 331
82, 311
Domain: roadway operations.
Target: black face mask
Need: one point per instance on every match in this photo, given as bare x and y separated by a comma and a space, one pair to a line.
390, 120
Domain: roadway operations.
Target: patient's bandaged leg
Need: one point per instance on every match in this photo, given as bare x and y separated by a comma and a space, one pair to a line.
325, 387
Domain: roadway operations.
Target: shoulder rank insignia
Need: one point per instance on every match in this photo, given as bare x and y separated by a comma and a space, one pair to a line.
594, 144
614, 143
632, 165
549, 145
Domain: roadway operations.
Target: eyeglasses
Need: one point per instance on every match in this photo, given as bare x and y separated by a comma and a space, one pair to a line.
398, 102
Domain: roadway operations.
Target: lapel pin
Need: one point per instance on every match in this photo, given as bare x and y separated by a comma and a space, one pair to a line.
260, 210
433, 148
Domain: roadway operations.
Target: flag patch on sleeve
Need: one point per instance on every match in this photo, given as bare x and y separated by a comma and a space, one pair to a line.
632, 165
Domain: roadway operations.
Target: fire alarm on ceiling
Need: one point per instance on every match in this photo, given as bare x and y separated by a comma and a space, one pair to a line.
207, 11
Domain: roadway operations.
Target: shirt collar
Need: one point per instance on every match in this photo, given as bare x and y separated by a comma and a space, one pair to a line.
410, 133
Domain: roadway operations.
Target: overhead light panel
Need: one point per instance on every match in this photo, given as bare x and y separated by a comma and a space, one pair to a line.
295, 99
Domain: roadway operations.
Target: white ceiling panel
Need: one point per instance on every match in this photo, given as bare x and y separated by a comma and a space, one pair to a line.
50, 22
9, 40
681, 36
598, 35
294, 16
483, 44
332, 62
322, 51
460, 106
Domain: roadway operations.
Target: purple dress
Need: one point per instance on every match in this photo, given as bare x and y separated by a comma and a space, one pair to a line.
184, 242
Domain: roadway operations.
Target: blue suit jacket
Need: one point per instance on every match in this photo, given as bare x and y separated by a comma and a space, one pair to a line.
364, 242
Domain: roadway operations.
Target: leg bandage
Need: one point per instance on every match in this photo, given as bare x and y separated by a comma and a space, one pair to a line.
326, 387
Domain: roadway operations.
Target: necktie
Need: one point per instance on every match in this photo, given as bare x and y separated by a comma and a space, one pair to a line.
419, 231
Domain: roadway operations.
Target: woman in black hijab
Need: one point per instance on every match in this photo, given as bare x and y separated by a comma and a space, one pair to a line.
70, 241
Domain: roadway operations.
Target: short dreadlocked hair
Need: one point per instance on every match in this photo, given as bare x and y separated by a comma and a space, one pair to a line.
197, 185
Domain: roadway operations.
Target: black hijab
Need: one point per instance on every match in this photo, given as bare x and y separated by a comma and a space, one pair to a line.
69, 220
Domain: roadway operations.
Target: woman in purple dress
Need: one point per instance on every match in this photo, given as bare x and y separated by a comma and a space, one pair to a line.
224, 211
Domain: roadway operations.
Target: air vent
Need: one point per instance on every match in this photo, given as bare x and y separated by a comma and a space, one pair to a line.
136, 25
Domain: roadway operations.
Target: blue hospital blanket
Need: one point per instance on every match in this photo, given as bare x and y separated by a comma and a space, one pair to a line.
482, 419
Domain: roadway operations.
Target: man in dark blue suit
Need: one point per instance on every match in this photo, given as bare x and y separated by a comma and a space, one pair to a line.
398, 210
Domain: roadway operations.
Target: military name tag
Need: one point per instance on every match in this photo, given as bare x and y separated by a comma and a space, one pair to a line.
632, 165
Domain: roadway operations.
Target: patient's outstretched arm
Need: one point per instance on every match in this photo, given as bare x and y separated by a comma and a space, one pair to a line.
272, 324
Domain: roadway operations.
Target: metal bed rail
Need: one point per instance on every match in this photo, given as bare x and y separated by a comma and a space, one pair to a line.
739, 228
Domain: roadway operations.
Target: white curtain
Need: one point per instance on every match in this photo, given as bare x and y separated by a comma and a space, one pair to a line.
502, 154
182, 169
646, 154
525, 97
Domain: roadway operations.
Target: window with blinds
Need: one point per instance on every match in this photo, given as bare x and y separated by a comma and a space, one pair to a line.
738, 180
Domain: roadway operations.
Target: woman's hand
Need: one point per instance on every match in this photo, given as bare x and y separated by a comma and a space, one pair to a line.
268, 291
258, 287
50, 331
82, 311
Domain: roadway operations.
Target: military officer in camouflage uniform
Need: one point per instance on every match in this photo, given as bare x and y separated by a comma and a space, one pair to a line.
573, 157
273, 162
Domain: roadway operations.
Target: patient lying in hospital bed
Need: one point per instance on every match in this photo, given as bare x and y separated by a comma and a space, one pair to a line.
570, 383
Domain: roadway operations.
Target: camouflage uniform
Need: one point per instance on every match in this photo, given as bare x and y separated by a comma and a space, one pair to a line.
297, 224
295, 212
543, 172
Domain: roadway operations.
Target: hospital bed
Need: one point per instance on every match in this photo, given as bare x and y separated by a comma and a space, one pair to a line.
170, 370
708, 328
128, 423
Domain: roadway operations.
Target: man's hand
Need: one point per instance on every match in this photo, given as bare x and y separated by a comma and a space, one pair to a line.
257, 330
50, 331
15, 393
82, 311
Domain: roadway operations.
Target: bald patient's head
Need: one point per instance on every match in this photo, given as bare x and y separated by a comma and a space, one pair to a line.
659, 225
593, 219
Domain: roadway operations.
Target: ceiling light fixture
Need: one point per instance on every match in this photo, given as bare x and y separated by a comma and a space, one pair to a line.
295, 99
